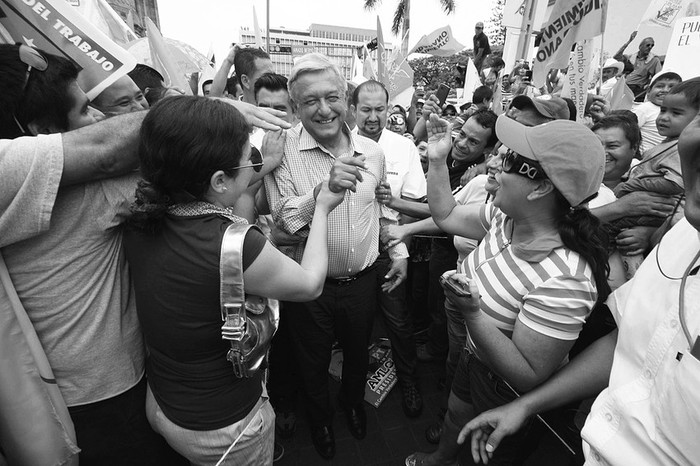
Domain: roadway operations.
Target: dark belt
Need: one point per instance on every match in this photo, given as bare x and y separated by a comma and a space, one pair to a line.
347, 280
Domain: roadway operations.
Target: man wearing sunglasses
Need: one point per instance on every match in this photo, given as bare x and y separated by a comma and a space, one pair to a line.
71, 278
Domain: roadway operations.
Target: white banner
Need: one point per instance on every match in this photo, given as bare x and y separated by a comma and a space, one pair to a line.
665, 12
570, 21
577, 77
684, 50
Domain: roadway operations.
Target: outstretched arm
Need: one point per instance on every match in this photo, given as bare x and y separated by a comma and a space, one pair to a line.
585, 376
218, 85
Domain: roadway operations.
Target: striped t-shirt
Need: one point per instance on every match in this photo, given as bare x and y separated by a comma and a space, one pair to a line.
552, 293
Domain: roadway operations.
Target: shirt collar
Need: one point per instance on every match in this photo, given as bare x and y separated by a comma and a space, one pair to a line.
537, 249
307, 142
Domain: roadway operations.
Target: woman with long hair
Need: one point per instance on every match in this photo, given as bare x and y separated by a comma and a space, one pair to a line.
527, 289
204, 397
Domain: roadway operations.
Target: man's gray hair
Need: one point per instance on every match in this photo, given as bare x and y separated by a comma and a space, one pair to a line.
315, 63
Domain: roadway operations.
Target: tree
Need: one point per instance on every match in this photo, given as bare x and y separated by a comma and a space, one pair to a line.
431, 71
495, 29
402, 16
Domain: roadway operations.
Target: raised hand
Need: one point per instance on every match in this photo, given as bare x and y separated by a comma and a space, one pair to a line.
439, 139
273, 147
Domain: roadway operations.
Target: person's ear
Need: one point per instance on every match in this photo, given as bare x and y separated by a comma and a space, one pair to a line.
353, 111
245, 81
36, 127
217, 182
541, 189
295, 107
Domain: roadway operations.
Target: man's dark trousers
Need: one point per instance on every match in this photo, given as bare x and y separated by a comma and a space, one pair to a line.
397, 323
345, 312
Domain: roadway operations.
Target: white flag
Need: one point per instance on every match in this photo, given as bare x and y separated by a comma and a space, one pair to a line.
440, 43
471, 82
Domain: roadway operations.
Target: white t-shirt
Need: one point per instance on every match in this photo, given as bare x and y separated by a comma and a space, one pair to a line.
403, 169
646, 115
650, 412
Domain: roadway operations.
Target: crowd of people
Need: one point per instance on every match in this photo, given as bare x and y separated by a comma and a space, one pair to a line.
158, 241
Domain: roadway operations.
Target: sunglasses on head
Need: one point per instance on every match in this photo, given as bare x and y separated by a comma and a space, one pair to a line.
256, 160
33, 59
516, 163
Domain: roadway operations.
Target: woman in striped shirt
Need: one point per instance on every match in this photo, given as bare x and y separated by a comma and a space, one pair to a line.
529, 286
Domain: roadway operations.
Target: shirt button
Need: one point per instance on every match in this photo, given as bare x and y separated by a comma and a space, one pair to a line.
349, 270
596, 456
647, 374
352, 249
608, 416
352, 227
674, 323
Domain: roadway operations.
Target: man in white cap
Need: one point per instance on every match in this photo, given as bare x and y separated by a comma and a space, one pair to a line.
482, 49
611, 70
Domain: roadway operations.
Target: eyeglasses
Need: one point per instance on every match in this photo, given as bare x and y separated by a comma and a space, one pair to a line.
34, 60
516, 163
256, 160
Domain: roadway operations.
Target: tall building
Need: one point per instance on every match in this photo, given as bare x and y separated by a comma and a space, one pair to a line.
140, 10
337, 42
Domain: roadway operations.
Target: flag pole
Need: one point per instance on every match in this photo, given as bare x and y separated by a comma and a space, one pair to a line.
267, 26
603, 19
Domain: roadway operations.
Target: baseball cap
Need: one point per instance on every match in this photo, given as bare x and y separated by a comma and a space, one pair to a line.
479, 25
570, 154
546, 105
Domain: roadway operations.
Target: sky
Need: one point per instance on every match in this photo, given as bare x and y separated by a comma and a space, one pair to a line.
218, 22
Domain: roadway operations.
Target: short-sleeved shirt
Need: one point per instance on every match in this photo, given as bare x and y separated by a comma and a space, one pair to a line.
177, 282
481, 41
650, 412
545, 285
74, 283
31, 170
644, 69
403, 169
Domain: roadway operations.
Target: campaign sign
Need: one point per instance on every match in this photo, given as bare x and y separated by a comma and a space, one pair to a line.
57, 28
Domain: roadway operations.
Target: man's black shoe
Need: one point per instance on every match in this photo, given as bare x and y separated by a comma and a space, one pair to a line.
412, 401
357, 421
324, 441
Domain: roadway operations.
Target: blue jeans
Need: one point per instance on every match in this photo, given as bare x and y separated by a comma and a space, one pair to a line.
457, 340
480, 388
253, 436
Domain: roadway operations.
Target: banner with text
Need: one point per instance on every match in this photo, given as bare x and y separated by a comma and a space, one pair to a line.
685, 43
664, 13
577, 77
56, 27
570, 21
440, 43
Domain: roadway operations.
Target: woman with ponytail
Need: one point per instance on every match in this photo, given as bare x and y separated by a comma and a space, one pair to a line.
196, 162
527, 289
